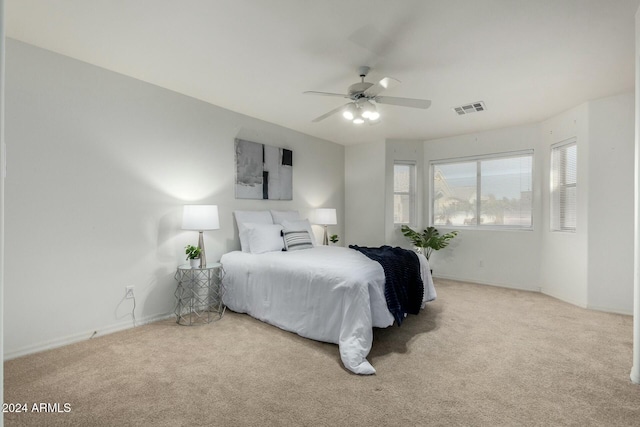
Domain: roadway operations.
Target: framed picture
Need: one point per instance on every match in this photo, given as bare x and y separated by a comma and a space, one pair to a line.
263, 171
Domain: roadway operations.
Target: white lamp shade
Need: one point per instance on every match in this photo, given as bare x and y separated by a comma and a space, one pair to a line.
200, 217
326, 216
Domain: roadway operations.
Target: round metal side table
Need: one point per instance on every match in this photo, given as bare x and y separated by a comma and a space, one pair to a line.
199, 294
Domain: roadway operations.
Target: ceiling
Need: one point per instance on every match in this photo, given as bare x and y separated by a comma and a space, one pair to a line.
527, 60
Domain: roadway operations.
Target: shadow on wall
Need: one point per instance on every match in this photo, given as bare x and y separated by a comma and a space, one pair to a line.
163, 283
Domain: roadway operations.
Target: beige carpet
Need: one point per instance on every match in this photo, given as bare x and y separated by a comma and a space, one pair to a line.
478, 355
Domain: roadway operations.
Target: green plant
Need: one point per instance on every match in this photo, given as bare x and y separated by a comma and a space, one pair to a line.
192, 252
334, 238
429, 240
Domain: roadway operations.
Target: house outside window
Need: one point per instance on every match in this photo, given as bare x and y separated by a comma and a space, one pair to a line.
404, 193
493, 191
564, 162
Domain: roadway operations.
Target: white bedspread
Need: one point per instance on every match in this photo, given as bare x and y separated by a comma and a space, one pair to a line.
327, 293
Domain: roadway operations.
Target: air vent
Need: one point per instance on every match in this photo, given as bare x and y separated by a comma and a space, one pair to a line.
470, 108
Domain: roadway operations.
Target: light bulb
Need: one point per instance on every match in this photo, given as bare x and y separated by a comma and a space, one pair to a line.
367, 109
374, 115
358, 121
350, 111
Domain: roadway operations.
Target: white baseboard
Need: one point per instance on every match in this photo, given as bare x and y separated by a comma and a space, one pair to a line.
480, 282
542, 291
611, 310
70, 339
572, 301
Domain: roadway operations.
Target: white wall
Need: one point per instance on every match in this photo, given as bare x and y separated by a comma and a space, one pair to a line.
365, 188
2, 171
611, 171
564, 268
634, 375
100, 166
499, 257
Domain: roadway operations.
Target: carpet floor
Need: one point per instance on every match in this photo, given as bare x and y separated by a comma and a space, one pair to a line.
477, 356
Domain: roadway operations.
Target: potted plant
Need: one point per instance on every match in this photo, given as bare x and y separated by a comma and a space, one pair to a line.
429, 240
334, 238
193, 255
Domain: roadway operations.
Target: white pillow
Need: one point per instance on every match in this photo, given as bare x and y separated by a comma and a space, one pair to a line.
300, 225
279, 216
254, 217
264, 237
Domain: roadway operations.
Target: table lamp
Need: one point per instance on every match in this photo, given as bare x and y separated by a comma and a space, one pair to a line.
200, 218
326, 216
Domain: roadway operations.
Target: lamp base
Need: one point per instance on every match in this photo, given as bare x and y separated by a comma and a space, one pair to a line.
203, 257
325, 240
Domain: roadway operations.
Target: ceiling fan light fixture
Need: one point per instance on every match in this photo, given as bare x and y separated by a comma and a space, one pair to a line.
363, 98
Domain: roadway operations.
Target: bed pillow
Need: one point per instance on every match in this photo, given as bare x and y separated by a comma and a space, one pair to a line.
295, 240
264, 237
300, 225
253, 217
280, 216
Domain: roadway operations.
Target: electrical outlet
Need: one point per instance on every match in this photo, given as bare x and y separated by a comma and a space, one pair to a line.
128, 292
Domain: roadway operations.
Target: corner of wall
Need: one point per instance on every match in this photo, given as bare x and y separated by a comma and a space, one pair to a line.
364, 194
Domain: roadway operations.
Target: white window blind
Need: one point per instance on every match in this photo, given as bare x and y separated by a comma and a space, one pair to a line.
485, 191
404, 193
564, 163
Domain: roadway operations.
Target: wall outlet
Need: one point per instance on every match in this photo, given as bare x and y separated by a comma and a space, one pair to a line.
128, 292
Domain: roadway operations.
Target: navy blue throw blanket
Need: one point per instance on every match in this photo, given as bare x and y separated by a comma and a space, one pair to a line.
403, 288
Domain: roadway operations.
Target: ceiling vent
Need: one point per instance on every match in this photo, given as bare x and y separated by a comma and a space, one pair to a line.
470, 108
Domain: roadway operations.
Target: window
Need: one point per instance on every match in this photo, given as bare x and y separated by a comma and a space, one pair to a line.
404, 193
484, 191
564, 158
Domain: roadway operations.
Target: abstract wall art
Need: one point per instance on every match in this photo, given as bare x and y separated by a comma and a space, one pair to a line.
263, 171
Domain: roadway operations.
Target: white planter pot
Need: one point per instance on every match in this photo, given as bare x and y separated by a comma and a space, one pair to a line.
194, 262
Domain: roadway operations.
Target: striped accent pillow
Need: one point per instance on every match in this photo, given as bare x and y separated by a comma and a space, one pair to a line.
296, 239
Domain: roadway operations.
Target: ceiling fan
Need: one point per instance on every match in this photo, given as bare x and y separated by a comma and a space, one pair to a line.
364, 96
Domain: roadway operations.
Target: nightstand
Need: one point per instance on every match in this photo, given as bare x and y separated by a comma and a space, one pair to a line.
199, 294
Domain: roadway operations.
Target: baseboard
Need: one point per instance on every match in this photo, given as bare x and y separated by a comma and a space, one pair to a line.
610, 310
480, 282
565, 299
542, 291
71, 339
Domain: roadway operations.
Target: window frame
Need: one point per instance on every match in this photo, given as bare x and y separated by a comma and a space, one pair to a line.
478, 159
413, 182
561, 147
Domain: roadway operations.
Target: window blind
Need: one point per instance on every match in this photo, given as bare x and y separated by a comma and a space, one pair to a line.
404, 193
564, 162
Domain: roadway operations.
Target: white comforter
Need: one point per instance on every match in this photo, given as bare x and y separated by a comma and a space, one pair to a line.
327, 293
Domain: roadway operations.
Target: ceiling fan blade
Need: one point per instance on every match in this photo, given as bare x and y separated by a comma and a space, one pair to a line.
384, 84
325, 115
311, 92
403, 102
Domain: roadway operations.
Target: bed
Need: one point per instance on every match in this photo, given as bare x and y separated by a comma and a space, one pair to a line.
326, 293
